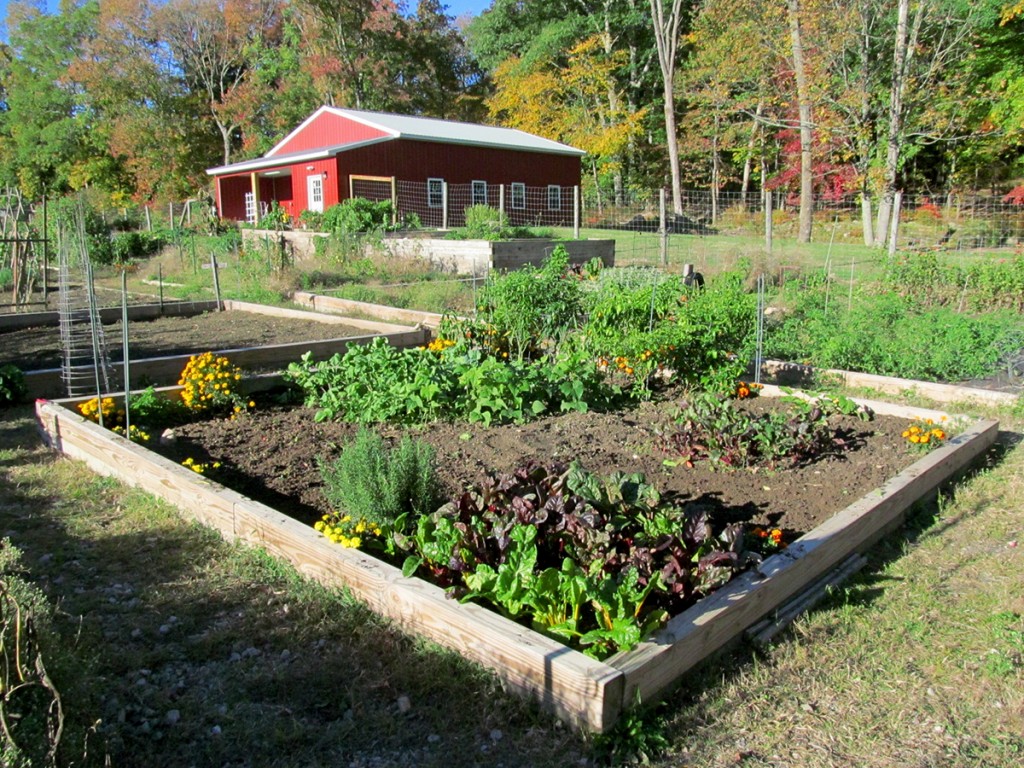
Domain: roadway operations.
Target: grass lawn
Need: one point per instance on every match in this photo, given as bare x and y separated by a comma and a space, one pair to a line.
175, 648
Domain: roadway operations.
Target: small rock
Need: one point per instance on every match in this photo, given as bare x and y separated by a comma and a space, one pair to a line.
236, 656
404, 704
250, 652
136, 633
496, 735
168, 437
222, 709
140, 682
286, 654
215, 731
433, 738
164, 629
45, 559
172, 717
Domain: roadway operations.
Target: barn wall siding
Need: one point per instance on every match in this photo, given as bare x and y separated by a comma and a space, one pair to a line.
458, 164
329, 130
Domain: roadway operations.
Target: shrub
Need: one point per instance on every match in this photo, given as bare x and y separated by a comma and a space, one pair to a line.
209, 385
380, 486
358, 215
12, 385
486, 223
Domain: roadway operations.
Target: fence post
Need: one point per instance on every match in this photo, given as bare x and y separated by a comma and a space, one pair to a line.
170, 215
149, 220
576, 213
662, 227
768, 221
444, 205
894, 227
501, 203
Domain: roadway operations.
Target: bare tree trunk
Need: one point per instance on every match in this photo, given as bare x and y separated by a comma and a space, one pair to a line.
903, 52
666, 38
748, 163
803, 101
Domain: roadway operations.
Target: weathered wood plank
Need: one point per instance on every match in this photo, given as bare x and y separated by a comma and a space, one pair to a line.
343, 306
695, 634
578, 689
109, 315
318, 317
940, 393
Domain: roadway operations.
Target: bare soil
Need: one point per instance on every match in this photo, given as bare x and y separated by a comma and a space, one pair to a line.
273, 454
39, 348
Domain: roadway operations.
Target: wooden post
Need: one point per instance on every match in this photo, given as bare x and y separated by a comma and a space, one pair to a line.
768, 221
501, 204
149, 221
216, 279
254, 181
576, 213
663, 226
170, 215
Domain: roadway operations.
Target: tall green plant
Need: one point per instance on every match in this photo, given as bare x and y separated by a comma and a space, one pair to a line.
380, 485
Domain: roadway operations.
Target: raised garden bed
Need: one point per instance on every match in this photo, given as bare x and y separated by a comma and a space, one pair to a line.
591, 694
161, 338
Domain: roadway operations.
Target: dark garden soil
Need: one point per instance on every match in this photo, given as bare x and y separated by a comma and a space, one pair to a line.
38, 348
272, 455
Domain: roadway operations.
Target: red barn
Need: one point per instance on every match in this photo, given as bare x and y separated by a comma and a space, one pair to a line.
433, 168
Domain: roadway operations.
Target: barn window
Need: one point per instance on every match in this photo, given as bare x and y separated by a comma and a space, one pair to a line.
554, 197
479, 193
435, 193
518, 196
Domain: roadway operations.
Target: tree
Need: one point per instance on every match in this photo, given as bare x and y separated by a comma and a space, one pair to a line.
45, 137
667, 23
214, 43
803, 99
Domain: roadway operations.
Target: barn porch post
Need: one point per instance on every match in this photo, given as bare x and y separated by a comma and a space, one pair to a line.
254, 181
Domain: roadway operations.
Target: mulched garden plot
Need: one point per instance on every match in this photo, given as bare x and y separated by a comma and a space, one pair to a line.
39, 348
271, 455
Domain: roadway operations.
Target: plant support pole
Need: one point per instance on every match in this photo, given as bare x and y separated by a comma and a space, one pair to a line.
663, 227
216, 279
125, 356
576, 213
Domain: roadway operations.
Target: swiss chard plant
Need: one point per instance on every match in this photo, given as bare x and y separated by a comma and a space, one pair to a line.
599, 562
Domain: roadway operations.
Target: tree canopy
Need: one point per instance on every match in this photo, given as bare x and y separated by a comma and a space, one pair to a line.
137, 98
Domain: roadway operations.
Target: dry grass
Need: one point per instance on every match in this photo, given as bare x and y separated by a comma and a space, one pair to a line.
195, 652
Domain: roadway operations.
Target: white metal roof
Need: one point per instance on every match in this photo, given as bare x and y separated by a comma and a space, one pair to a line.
449, 131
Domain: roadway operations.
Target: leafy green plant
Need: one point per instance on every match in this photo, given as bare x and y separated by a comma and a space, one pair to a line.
486, 223
533, 309
379, 485
712, 428
12, 384
152, 409
374, 382
359, 215
597, 561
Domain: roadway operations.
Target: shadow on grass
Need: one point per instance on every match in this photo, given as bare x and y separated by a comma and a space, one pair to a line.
654, 726
192, 651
